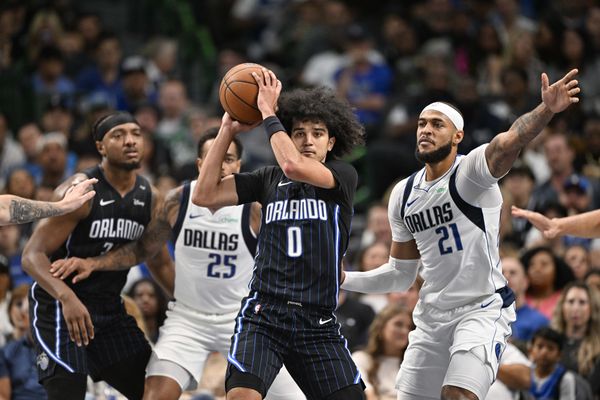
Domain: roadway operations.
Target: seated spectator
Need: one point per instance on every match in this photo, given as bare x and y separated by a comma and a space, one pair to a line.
547, 275
529, 320
49, 78
52, 158
577, 317
369, 258
18, 312
11, 153
549, 379
592, 279
135, 87
11, 248
380, 361
378, 226
578, 259
18, 372
152, 303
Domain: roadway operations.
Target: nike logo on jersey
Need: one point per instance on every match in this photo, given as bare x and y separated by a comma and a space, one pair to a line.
282, 183
105, 202
323, 322
487, 304
192, 216
137, 202
411, 202
142, 187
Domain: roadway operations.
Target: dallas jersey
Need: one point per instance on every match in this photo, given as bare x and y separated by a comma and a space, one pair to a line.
304, 233
455, 222
113, 220
214, 255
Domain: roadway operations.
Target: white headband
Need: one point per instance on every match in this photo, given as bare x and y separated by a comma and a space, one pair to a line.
449, 112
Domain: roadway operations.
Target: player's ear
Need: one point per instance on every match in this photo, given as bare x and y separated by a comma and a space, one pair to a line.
198, 164
100, 148
330, 143
458, 137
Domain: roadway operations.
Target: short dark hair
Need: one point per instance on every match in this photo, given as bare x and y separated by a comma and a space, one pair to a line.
562, 273
322, 104
550, 335
211, 133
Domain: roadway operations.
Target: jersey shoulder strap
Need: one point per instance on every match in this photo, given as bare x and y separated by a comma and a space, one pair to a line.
407, 190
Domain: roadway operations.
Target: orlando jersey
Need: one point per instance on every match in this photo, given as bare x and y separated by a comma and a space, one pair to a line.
113, 221
455, 222
304, 233
213, 255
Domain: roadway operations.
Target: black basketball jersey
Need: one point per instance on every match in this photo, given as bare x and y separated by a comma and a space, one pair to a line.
113, 220
304, 233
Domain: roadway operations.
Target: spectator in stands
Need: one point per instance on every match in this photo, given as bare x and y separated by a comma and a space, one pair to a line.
578, 259
49, 79
29, 135
370, 257
135, 87
577, 316
513, 377
152, 302
380, 361
11, 153
378, 226
355, 319
529, 320
592, 279
53, 159
547, 274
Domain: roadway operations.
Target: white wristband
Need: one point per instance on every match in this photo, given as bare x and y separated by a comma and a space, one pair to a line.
394, 276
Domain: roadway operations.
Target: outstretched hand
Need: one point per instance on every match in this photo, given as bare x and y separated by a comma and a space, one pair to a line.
558, 96
78, 194
548, 227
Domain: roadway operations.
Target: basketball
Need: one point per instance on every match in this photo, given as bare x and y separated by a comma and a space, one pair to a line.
238, 93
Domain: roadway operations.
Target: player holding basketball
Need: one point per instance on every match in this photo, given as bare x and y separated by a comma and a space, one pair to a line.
214, 251
307, 206
447, 215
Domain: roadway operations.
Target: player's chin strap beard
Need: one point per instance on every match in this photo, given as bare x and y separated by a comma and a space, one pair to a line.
434, 156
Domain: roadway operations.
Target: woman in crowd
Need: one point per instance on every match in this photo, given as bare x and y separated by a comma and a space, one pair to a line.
577, 316
152, 303
380, 361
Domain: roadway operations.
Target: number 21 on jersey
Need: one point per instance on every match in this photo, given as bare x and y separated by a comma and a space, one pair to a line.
446, 246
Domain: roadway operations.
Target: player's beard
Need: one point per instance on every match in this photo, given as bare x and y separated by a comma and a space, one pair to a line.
127, 166
435, 156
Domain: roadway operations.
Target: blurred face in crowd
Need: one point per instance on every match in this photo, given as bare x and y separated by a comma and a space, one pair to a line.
375, 255
109, 54
53, 158
541, 271
593, 281
57, 119
51, 69
145, 297
28, 135
577, 259
20, 183
558, 154
379, 225
19, 313
395, 334
9, 239
513, 271
123, 146
135, 84
173, 99
576, 308
544, 353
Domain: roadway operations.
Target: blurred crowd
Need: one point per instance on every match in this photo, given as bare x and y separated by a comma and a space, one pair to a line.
62, 66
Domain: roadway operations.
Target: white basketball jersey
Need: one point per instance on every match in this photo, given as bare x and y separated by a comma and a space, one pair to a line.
214, 255
455, 223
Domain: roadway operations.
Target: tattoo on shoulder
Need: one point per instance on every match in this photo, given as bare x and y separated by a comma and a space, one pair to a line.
22, 211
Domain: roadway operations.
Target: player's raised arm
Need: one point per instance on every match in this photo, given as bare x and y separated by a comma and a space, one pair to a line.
17, 210
504, 149
585, 225
49, 235
297, 164
156, 234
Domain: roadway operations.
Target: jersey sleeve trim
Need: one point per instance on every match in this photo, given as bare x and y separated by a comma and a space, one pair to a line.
474, 214
407, 190
249, 238
183, 205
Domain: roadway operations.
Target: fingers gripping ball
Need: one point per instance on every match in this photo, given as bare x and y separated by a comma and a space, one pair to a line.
239, 91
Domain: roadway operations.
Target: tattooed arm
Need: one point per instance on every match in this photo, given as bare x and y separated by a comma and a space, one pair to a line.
504, 149
154, 238
17, 210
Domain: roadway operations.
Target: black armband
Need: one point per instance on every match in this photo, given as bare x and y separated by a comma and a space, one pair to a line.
272, 126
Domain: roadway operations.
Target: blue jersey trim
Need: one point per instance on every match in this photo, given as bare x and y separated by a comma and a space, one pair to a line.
183, 205
55, 357
474, 214
407, 191
236, 337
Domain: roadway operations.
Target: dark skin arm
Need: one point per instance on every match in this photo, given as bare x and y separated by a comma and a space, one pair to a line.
504, 149
515, 376
49, 235
153, 240
5, 388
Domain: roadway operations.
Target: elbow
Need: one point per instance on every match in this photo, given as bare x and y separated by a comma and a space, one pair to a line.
27, 261
292, 170
203, 199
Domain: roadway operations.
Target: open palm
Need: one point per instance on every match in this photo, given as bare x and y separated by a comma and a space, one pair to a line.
562, 93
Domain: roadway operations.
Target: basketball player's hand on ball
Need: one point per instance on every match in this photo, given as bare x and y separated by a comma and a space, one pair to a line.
63, 268
269, 89
78, 320
562, 93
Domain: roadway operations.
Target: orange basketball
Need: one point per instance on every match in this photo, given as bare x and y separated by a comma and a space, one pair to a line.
239, 91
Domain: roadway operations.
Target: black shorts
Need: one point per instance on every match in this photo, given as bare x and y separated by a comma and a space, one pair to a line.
116, 337
271, 332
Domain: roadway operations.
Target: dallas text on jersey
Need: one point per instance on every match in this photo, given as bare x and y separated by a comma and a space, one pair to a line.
429, 218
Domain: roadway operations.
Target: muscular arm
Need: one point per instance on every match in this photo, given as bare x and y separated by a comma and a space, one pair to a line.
504, 149
162, 269
17, 210
156, 234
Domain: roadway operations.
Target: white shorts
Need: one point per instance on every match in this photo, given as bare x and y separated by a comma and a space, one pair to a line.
188, 337
440, 334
